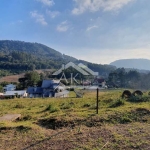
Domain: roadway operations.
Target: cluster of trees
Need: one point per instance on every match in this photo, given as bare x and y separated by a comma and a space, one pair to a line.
131, 79
32, 78
17, 61
103, 70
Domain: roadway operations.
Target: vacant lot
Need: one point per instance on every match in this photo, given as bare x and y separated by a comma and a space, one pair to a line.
72, 123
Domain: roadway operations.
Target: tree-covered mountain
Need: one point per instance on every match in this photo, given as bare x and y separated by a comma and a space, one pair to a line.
19, 56
141, 64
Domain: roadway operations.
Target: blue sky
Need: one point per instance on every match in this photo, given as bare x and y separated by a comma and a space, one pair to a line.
98, 31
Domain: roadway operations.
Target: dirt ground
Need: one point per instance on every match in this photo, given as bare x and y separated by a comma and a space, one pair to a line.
135, 136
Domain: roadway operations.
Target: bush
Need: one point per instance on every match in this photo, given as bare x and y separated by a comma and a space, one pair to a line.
139, 99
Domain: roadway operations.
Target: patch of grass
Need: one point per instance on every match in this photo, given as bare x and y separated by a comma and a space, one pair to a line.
86, 105
136, 115
23, 128
125, 119
26, 117
39, 117
51, 108
19, 106
108, 101
117, 103
66, 105
20, 128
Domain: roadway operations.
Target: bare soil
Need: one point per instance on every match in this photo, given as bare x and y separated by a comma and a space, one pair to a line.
107, 137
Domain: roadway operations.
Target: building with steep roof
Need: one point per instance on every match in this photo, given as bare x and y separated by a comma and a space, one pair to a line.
49, 88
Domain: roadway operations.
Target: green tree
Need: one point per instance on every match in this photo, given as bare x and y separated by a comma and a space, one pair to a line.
32, 78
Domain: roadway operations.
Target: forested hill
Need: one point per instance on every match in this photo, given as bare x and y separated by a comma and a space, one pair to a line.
36, 49
19, 56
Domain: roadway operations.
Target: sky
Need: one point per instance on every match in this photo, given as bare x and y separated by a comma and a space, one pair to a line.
98, 31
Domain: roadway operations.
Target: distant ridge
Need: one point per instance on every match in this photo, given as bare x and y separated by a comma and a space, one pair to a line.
141, 64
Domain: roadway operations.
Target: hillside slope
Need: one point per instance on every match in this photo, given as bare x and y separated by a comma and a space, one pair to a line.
19, 56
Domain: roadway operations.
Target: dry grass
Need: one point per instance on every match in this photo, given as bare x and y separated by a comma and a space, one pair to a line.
12, 78
72, 123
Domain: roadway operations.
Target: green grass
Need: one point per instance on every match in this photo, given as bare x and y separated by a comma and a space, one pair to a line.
41, 118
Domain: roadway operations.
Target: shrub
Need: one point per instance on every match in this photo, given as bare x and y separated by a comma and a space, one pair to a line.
139, 99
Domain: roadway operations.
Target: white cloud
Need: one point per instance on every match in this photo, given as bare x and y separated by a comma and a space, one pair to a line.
91, 27
39, 18
52, 14
63, 26
96, 5
47, 2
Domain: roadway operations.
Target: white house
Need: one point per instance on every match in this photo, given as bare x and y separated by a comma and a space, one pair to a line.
9, 87
22, 93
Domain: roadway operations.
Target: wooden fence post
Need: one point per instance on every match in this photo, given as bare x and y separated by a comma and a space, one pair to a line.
97, 101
